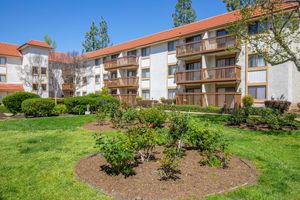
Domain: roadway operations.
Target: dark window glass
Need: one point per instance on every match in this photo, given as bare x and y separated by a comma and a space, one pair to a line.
115, 56
97, 78
44, 70
2, 78
257, 92
44, 87
193, 39
35, 70
225, 62
131, 53
257, 27
145, 51
193, 66
221, 32
172, 70
2, 60
97, 62
256, 61
35, 86
172, 45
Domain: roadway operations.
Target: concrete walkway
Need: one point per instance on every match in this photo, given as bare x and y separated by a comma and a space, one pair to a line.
197, 113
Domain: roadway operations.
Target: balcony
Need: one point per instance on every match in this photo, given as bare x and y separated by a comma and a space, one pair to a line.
209, 45
68, 87
122, 82
121, 62
206, 75
126, 98
209, 99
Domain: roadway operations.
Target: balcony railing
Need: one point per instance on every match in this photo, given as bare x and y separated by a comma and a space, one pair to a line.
68, 87
231, 99
121, 62
121, 82
206, 45
126, 98
211, 74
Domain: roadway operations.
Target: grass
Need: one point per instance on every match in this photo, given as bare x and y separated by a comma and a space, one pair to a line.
38, 157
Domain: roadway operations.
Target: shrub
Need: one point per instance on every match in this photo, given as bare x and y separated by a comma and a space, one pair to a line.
100, 116
143, 140
58, 100
247, 101
167, 101
94, 95
3, 109
169, 167
275, 120
193, 108
281, 106
238, 116
38, 107
154, 116
146, 103
130, 115
138, 98
118, 152
178, 127
60, 109
13, 102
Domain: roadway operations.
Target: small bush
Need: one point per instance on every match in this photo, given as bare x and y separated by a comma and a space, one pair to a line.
130, 115
38, 107
58, 100
238, 116
275, 120
154, 116
178, 127
118, 152
138, 98
60, 109
248, 101
279, 105
13, 102
3, 109
193, 108
169, 167
100, 116
167, 101
146, 103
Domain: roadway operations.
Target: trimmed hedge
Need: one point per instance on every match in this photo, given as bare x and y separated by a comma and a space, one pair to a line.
3, 109
281, 106
193, 108
60, 109
146, 103
13, 102
58, 100
38, 107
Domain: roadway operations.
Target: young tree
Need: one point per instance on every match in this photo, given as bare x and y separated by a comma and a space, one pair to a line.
50, 42
184, 13
91, 42
278, 36
104, 40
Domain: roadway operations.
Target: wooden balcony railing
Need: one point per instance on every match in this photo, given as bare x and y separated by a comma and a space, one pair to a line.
122, 82
209, 99
220, 43
121, 62
211, 74
126, 98
68, 87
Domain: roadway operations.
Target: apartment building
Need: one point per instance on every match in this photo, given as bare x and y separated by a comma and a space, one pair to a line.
199, 63
24, 68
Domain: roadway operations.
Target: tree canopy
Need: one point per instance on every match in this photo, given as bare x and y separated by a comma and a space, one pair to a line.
184, 13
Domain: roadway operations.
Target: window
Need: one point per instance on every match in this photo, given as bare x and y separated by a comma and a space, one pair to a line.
44, 70
78, 81
131, 73
84, 93
145, 94
145, 51
193, 66
115, 56
221, 32
105, 76
35, 86
257, 92
35, 70
77, 93
2, 78
105, 59
97, 62
171, 93
44, 87
84, 80
256, 61
2, 60
114, 74
257, 27
146, 73
131, 53
172, 70
172, 45
193, 39
225, 62
97, 78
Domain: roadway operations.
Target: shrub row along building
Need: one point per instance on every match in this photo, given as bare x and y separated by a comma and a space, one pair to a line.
191, 63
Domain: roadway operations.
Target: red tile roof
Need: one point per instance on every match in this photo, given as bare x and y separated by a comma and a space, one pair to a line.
11, 87
9, 49
36, 43
209, 23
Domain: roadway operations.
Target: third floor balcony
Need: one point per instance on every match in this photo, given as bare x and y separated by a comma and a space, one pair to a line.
209, 45
211, 74
126, 61
123, 82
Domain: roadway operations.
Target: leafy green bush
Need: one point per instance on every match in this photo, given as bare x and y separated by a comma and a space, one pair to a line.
13, 102
38, 107
193, 108
275, 120
60, 109
154, 116
58, 100
248, 101
169, 167
178, 127
118, 152
130, 115
3, 109
279, 105
144, 140
100, 116
146, 103
94, 95
238, 116
167, 101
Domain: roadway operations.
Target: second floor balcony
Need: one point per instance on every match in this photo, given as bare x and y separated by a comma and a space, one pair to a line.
211, 74
209, 45
126, 61
123, 82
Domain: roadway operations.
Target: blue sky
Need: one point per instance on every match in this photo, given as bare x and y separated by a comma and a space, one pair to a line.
67, 21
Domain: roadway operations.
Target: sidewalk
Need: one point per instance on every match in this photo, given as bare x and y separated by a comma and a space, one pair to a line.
197, 113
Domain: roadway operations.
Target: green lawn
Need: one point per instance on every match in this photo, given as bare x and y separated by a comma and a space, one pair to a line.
38, 157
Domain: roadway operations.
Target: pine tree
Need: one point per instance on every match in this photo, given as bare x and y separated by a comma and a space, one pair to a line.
184, 13
104, 40
91, 42
50, 42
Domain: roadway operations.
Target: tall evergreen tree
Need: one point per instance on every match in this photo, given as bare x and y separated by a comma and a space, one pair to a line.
184, 13
50, 42
104, 40
91, 42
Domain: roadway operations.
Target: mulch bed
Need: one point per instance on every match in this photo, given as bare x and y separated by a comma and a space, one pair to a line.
94, 126
194, 180
261, 127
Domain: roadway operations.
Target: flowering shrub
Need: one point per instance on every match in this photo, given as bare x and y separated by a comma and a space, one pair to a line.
154, 115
